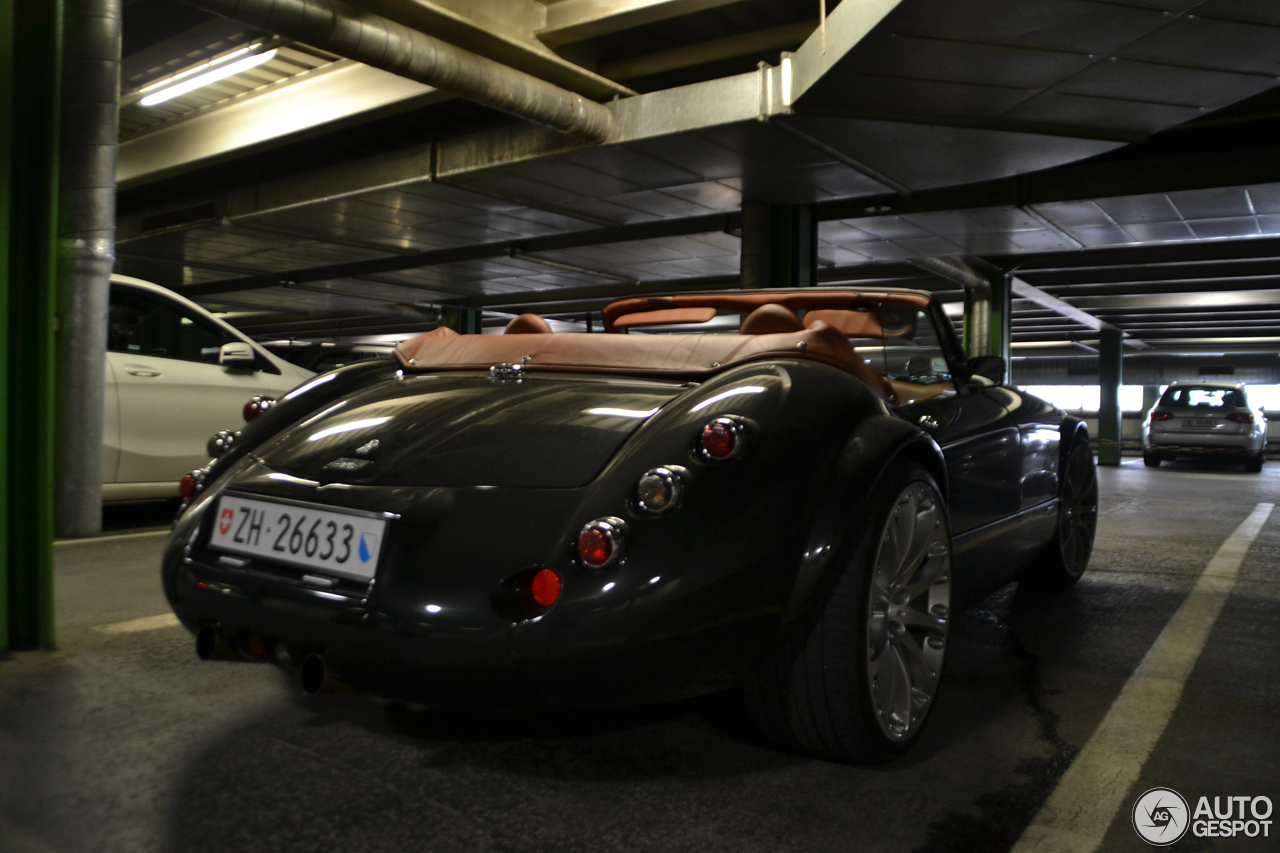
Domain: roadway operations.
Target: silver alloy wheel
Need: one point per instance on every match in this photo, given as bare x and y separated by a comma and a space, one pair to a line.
1078, 511
909, 614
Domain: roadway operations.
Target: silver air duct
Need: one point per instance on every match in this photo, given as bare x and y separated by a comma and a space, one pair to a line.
340, 28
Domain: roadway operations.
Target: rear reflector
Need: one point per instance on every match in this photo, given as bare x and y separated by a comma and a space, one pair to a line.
545, 588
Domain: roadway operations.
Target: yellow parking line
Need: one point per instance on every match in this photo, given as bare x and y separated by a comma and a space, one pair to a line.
146, 623
1077, 814
92, 539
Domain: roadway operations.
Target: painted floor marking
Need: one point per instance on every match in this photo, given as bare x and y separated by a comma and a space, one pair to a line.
1081, 808
111, 536
146, 623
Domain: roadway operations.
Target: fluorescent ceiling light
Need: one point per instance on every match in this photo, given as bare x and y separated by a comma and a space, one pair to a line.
220, 72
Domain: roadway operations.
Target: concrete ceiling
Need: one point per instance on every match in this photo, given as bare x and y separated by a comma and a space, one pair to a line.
1116, 145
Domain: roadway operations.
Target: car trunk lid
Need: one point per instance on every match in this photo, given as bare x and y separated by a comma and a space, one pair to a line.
458, 430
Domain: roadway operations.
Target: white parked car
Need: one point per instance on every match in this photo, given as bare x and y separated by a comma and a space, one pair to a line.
175, 375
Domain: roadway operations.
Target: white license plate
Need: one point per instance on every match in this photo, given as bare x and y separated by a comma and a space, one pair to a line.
1200, 422
339, 543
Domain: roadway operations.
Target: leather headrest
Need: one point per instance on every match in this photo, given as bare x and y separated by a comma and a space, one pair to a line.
771, 319
854, 324
528, 324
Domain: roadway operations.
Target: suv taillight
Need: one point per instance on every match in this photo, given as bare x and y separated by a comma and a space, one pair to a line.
1161, 416
1241, 417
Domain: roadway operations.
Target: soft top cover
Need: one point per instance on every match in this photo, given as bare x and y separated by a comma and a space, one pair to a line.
693, 356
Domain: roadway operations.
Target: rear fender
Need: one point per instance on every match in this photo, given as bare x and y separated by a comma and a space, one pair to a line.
297, 404
878, 444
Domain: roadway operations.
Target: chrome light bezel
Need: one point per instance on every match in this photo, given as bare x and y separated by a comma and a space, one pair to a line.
736, 426
674, 477
616, 528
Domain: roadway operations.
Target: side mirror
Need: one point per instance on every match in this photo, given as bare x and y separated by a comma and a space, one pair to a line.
237, 355
986, 370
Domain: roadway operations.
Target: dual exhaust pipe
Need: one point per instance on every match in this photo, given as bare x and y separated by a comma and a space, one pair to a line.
212, 644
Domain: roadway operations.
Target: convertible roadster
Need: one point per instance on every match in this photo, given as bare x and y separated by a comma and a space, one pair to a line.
786, 493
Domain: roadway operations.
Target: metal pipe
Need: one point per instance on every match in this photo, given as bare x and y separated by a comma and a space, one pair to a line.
86, 238
340, 28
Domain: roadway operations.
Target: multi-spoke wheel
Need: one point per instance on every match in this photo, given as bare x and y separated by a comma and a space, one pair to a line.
1067, 554
908, 612
857, 678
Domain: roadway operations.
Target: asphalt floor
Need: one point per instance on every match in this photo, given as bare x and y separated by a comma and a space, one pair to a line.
122, 740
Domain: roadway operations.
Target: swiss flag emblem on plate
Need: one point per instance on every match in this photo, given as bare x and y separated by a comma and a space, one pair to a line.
224, 520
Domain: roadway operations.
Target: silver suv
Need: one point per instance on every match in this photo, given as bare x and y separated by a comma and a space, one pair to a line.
1205, 419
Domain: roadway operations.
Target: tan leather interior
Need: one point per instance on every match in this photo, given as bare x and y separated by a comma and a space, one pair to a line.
528, 324
683, 356
744, 302
772, 330
664, 317
855, 324
771, 319
909, 392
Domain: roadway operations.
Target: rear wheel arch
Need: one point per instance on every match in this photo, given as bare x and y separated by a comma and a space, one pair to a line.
877, 448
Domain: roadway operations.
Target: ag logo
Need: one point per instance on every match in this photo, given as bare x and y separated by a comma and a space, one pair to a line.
1160, 816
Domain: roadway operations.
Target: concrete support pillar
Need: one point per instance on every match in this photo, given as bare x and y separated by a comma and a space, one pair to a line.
1110, 359
30, 54
86, 243
977, 320
779, 246
755, 245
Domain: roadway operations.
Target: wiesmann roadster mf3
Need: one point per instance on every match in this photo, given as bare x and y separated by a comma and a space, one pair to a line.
535, 519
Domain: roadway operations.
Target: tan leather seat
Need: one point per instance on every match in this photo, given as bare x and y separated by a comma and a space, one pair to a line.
771, 319
528, 324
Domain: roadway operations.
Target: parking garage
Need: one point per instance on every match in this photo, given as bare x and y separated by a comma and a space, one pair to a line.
226, 200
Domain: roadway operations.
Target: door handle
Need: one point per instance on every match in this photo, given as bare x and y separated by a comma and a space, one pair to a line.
138, 370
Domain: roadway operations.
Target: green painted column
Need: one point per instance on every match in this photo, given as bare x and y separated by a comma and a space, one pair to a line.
1110, 359
30, 50
464, 321
1001, 317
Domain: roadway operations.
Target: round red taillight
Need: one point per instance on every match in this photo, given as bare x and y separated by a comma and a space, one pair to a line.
600, 543
721, 439
545, 588
256, 406
192, 484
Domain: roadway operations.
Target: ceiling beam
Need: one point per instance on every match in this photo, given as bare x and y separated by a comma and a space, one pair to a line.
506, 248
1066, 309
570, 21
764, 41
1217, 299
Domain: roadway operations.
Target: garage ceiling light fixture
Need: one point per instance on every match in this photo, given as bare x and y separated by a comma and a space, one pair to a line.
218, 69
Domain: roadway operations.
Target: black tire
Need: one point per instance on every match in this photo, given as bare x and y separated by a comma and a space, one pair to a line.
1254, 463
1151, 459
850, 682
1066, 555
